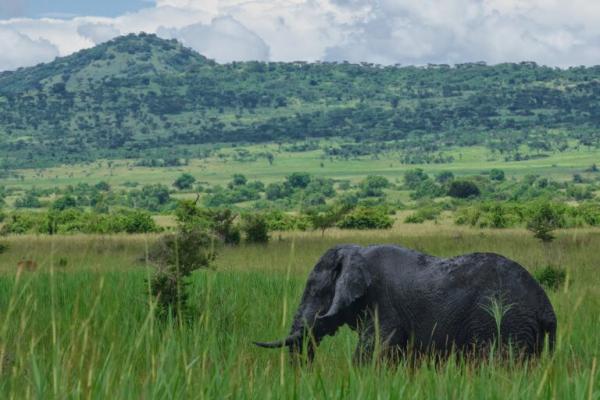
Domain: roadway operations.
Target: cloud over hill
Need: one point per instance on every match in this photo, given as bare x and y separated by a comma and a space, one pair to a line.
549, 32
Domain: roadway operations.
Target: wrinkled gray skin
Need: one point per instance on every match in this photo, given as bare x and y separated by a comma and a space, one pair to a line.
422, 303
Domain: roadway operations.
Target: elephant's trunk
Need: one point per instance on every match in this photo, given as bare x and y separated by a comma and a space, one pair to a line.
289, 341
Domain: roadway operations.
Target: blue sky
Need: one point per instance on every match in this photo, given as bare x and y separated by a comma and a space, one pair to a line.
69, 8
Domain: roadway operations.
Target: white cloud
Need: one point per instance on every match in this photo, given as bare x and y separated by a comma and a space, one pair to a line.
97, 32
552, 32
18, 50
223, 40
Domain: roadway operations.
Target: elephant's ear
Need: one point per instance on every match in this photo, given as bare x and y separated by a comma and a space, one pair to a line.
352, 283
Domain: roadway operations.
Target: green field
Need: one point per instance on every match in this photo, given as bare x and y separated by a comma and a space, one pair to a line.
215, 170
80, 326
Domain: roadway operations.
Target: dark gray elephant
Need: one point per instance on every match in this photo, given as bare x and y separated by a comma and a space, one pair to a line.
423, 304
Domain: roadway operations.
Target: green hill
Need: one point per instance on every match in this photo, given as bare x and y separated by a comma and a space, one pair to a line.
140, 94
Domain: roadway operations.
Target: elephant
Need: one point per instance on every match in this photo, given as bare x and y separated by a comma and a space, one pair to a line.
408, 303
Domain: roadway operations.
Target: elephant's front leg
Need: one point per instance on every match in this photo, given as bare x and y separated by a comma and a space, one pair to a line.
366, 344
392, 342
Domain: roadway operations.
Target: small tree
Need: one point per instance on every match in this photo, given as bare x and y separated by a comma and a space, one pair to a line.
64, 202
179, 254
323, 220
238, 180
299, 180
270, 158
463, 189
256, 228
224, 226
497, 175
543, 221
413, 177
367, 218
184, 182
444, 177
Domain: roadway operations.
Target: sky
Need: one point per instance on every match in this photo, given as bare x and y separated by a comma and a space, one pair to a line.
551, 32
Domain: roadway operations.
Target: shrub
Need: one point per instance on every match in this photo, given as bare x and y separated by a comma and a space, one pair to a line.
28, 200
280, 221
137, 222
238, 180
497, 175
187, 250
22, 223
299, 180
414, 177
498, 218
3, 248
73, 220
551, 277
467, 216
256, 228
545, 218
427, 189
367, 218
185, 181
323, 220
222, 222
64, 202
463, 189
444, 177
422, 215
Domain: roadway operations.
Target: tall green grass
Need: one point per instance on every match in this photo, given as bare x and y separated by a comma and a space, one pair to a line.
86, 330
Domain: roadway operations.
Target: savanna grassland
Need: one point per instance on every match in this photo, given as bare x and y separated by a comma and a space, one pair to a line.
219, 168
81, 325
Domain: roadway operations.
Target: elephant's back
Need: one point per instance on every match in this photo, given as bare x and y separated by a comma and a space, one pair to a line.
487, 270
491, 283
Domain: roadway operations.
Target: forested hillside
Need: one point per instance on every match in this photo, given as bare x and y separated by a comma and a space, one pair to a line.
140, 93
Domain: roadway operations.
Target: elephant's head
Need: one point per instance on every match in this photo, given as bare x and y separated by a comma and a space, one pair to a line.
332, 297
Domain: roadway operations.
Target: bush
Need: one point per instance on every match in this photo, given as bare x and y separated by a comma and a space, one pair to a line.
178, 255
222, 222
299, 180
367, 218
3, 248
64, 202
185, 181
444, 177
74, 220
187, 250
22, 223
325, 219
551, 277
137, 222
414, 177
256, 228
29, 200
497, 175
280, 221
422, 215
545, 219
463, 189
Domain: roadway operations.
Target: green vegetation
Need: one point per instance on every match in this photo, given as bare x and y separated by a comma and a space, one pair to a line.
551, 277
78, 221
154, 100
86, 328
184, 182
255, 228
